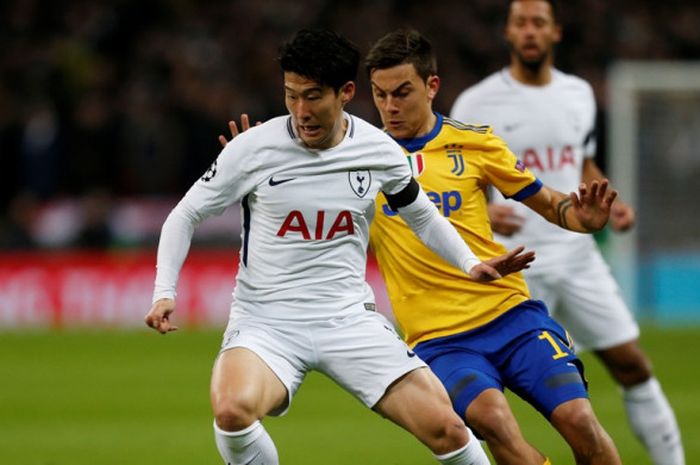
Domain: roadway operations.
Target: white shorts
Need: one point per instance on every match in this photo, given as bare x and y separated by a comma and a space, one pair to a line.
582, 296
362, 352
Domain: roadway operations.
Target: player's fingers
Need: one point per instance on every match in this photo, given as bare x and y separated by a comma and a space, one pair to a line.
610, 198
233, 128
222, 140
575, 202
602, 188
245, 122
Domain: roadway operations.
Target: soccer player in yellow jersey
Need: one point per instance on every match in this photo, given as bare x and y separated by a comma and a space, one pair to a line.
477, 337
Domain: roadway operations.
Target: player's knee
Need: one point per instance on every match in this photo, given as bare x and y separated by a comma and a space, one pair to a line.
632, 371
233, 411
495, 424
578, 421
447, 435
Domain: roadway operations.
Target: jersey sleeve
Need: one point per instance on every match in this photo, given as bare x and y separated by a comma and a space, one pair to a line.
397, 169
227, 180
505, 172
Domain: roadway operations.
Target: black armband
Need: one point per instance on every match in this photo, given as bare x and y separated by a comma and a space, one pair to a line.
405, 197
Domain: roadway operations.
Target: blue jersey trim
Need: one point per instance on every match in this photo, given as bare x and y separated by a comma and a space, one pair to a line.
417, 143
528, 191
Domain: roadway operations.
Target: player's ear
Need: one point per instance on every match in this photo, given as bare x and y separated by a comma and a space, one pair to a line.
433, 85
556, 37
347, 92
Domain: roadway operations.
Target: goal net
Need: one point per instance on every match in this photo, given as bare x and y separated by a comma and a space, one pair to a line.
654, 161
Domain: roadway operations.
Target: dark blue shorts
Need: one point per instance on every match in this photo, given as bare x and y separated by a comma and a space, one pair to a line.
523, 350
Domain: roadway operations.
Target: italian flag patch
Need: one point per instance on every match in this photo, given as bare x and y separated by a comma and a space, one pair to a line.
417, 163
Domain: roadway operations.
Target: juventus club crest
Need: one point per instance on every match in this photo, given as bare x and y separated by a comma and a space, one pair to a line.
360, 181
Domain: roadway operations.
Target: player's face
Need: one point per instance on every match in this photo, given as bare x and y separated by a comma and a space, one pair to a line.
404, 100
317, 111
532, 32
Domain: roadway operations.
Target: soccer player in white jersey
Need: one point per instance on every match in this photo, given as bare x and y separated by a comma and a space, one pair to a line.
547, 118
307, 183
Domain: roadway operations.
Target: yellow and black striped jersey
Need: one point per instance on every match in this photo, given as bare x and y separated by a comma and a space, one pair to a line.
454, 164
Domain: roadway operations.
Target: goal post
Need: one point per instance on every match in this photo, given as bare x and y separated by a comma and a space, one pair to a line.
654, 162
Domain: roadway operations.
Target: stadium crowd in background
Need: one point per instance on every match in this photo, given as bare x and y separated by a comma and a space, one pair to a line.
97, 96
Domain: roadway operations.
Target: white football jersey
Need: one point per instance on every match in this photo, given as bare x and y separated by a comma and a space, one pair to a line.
550, 129
305, 213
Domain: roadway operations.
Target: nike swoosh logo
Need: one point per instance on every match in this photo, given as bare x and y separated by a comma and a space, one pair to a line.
279, 181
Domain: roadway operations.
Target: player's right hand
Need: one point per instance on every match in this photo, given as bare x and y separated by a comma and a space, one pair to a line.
158, 317
233, 128
504, 220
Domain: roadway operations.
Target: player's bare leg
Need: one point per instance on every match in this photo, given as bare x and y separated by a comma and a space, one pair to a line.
490, 415
243, 390
418, 403
579, 426
649, 413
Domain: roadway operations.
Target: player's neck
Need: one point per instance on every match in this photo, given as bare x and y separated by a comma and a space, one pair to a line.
540, 76
428, 125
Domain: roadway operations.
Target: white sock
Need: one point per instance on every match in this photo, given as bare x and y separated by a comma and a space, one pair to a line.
654, 423
251, 446
471, 454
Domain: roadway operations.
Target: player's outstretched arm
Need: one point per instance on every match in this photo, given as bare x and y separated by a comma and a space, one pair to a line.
585, 211
233, 128
158, 317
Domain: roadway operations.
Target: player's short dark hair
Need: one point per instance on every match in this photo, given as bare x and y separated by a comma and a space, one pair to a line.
553, 4
323, 56
399, 47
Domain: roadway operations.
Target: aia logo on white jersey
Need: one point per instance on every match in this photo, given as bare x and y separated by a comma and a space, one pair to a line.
551, 159
417, 163
360, 181
316, 228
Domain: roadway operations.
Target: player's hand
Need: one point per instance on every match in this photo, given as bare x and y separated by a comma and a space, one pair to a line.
233, 128
497, 267
504, 219
622, 216
593, 203
158, 316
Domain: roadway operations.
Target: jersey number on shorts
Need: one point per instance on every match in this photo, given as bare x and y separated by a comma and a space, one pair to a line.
558, 353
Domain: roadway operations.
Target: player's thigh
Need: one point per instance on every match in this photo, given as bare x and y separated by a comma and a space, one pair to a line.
242, 380
418, 402
592, 308
464, 373
261, 358
363, 354
543, 369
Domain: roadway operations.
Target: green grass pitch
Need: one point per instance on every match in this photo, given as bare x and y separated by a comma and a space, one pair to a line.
135, 397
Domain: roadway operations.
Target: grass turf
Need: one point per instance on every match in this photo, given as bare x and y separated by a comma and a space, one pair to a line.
134, 397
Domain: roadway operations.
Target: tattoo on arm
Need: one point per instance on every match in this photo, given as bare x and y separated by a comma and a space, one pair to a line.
562, 207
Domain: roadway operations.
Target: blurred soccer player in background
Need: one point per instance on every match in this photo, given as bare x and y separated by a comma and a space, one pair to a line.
478, 338
548, 118
307, 183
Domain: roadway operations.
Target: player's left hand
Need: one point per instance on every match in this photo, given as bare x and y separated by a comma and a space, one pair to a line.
233, 128
622, 216
497, 267
593, 203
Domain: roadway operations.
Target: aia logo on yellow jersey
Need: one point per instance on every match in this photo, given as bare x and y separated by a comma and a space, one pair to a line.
417, 163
